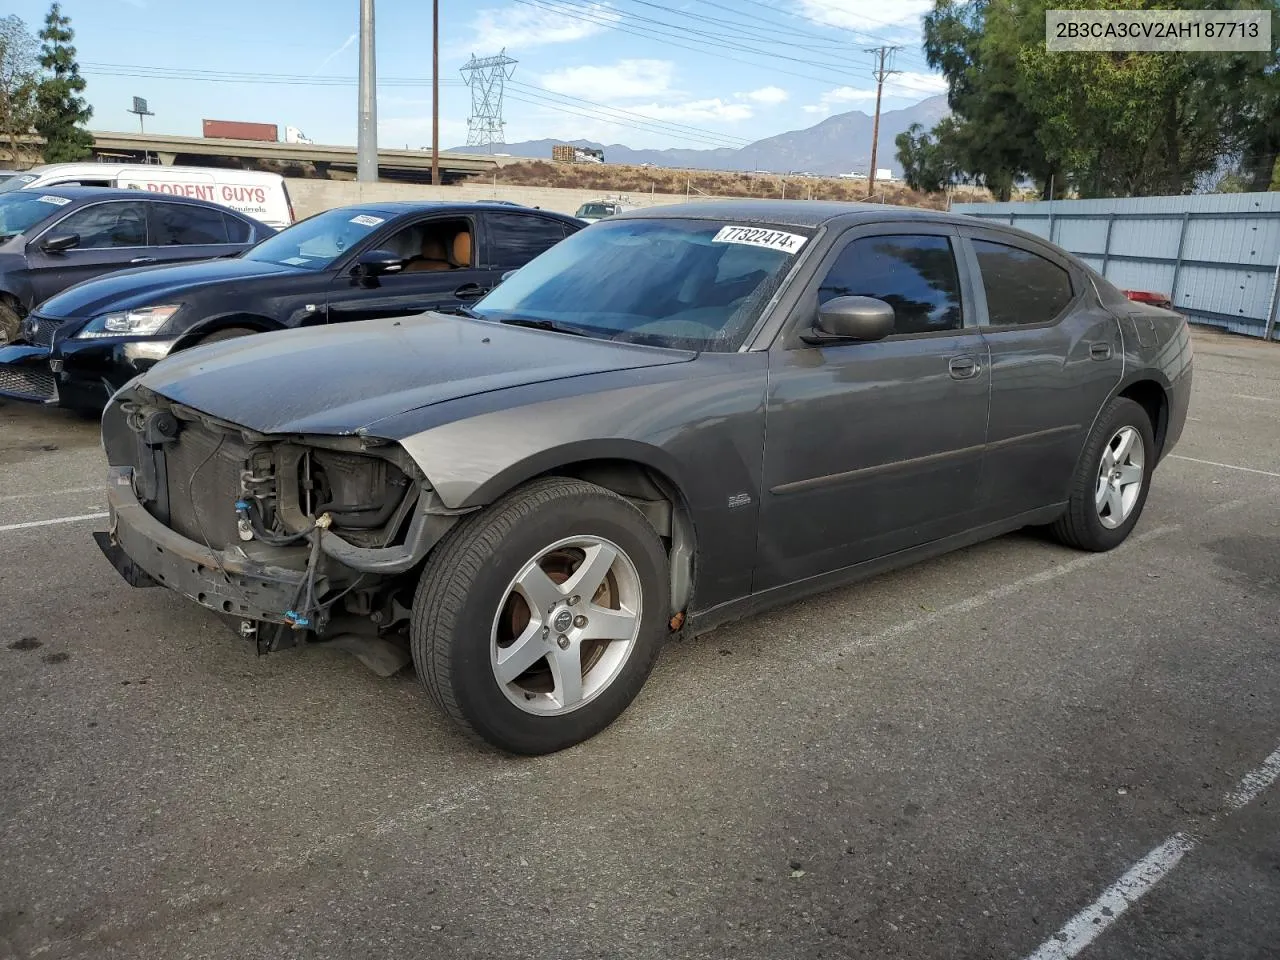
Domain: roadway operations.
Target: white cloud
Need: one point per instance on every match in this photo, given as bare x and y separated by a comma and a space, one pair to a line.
702, 110
520, 28
905, 85
624, 80
865, 15
770, 96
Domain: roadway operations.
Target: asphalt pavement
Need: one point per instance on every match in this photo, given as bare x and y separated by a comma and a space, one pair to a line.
1016, 750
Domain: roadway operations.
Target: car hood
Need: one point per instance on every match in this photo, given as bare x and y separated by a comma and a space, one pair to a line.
145, 286
342, 379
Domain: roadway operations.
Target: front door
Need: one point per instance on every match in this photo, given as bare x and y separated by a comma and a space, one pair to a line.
113, 236
1055, 358
441, 272
872, 448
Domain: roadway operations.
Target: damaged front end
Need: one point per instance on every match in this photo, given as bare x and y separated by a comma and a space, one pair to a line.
294, 536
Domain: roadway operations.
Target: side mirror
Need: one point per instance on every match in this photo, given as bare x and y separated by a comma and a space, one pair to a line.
507, 276
60, 242
374, 263
855, 318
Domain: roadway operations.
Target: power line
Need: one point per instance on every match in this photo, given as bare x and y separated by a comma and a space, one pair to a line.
705, 140
665, 38
712, 40
531, 90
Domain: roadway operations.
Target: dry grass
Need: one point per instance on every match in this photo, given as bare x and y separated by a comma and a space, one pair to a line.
635, 182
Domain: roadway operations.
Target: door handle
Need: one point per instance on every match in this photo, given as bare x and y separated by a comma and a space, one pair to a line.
143, 260
963, 368
469, 291
1100, 351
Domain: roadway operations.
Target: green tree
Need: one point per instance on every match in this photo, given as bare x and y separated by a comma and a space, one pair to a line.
930, 160
1105, 124
62, 111
17, 82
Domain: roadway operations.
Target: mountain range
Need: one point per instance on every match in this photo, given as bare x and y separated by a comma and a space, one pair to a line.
838, 144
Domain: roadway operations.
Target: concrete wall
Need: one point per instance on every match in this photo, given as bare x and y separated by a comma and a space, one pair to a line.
313, 196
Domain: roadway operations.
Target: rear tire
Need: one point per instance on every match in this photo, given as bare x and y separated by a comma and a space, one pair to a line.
533, 676
1109, 489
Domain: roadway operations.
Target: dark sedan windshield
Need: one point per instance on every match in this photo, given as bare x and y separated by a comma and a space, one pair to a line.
20, 211
17, 182
317, 241
692, 284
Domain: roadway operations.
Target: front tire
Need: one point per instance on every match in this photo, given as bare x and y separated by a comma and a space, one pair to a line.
1109, 489
537, 621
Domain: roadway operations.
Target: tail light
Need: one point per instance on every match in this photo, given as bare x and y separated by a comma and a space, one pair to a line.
1146, 296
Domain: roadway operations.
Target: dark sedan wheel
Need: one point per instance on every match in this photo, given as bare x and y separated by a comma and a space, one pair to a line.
537, 621
1110, 486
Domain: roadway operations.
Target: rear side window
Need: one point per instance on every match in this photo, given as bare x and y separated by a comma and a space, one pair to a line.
237, 230
120, 223
916, 275
1021, 287
516, 238
175, 224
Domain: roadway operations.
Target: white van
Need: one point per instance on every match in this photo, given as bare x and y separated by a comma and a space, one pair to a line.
262, 196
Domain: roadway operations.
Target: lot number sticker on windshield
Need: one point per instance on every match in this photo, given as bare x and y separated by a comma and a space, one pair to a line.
366, 221
56, 201
761, 237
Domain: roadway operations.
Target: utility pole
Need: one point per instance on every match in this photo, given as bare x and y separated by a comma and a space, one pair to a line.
435, 93
367, 133
882, 72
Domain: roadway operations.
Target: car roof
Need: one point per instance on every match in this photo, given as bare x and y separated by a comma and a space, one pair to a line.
117, 193
795, 213
396, 208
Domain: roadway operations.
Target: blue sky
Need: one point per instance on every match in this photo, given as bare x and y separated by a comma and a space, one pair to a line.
585, 69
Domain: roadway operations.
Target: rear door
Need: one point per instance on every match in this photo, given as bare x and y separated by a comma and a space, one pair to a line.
442, 271
514, 238
185, 231
113, 236
1055, 359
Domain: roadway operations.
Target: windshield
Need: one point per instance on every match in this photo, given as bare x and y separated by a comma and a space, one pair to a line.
692, 284
22, 210
316, 242
594, 210
17, 183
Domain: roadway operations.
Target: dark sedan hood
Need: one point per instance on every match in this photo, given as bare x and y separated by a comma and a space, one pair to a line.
339, 379
146, 286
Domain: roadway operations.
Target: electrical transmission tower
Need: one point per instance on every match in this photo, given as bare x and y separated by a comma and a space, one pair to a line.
487, 78
883, 71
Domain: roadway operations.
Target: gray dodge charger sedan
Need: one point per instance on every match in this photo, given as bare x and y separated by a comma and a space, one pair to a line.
674, 418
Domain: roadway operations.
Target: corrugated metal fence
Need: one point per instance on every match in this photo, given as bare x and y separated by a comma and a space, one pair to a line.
1217, 255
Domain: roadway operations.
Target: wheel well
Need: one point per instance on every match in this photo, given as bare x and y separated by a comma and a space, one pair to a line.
10, 300
1151, 397
663, 505
248, 321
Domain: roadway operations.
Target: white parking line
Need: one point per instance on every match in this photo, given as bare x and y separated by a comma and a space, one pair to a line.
987, 596
1248, 396
49, 523
1087, 925
1226, 466
51, 493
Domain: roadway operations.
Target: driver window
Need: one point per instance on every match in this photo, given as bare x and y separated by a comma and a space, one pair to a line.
434, 245
916, 275
117, 224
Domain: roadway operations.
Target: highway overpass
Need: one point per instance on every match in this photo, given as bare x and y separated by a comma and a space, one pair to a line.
329, 161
